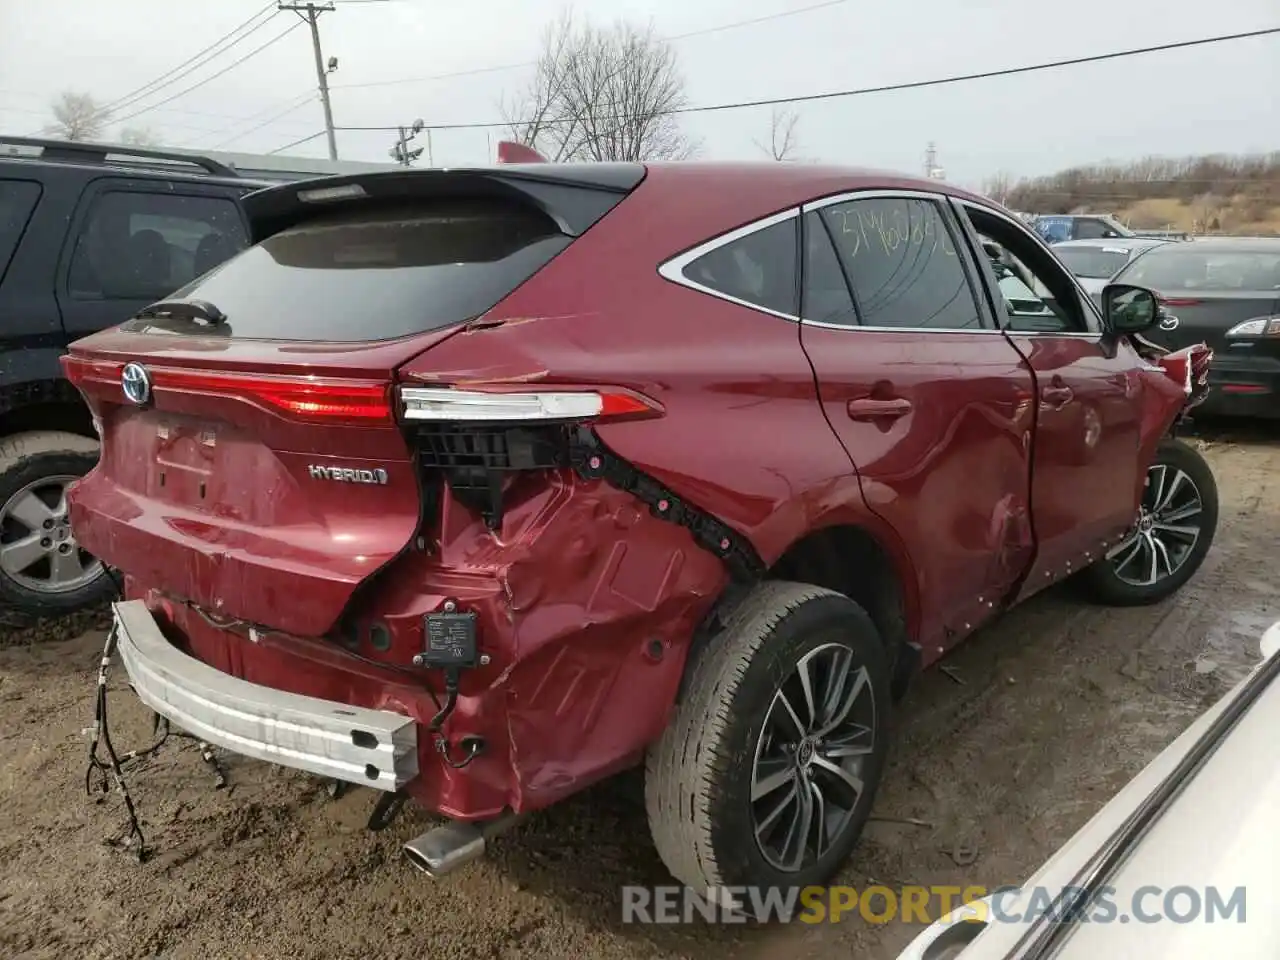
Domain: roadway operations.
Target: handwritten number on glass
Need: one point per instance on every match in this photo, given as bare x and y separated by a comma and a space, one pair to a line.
886, 233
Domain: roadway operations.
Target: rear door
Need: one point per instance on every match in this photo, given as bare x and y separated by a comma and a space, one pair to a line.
931, 402
135, 241
1085, 475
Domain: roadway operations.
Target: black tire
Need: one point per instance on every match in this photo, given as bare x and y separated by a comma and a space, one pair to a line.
26, 458
699, 774
1104, 584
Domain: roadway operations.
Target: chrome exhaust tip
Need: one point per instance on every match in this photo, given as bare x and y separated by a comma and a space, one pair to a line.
445, 848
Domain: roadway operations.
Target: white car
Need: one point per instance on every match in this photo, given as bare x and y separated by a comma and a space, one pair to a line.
1095, 262
1183, 864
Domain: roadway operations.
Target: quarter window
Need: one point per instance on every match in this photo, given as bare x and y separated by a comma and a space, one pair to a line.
902, 262
759, 268
144, 246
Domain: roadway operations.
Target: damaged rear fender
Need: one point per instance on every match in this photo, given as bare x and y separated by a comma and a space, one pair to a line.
1171, 385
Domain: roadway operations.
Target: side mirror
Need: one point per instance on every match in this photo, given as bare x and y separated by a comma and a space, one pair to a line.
1129, 309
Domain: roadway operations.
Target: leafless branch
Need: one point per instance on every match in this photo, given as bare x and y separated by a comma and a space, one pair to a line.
998, 187
76, 116
601, 94
782, 135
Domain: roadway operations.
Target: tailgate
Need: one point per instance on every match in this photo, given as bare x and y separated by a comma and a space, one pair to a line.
241, 493
252, 461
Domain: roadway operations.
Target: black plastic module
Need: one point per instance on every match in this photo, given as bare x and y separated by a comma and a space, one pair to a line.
450, 641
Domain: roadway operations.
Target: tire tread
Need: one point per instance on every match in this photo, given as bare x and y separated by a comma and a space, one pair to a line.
678, 804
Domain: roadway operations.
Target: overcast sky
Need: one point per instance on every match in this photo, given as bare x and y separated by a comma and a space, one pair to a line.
1220, 98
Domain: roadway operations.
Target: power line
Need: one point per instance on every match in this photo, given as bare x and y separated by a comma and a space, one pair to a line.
887, 88
187, 66
298, 104
533, 63
295, 143
195, 86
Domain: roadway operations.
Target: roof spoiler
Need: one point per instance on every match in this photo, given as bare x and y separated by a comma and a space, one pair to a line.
511, 152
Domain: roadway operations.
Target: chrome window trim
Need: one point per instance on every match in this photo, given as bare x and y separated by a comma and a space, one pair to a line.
874, 194
673, 269
1086, 302
862, 327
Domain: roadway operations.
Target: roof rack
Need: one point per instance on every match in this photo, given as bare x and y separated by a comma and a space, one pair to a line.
78, 151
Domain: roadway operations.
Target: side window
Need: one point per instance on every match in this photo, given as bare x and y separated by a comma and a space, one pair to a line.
826, 288
17, 200
1088, 228
1036, 292
144, 246
902, 262
759, 268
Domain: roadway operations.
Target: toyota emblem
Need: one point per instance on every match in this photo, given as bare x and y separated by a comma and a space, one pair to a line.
136, 383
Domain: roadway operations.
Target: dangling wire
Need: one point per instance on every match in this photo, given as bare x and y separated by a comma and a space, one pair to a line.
111, 771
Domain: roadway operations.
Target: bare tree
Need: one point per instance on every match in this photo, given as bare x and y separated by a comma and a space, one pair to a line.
76, 116
782, 135
998, 187
601, 94
139, 137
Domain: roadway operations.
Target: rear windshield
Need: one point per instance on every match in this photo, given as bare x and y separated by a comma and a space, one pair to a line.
1185, 268
376, 275
1092, 262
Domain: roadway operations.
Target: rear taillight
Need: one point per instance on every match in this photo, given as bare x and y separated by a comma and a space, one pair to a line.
501, 405
316, 399
303, 398
83, 373
1257, 327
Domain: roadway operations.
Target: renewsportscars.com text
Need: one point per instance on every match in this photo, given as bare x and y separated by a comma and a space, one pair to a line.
925, 904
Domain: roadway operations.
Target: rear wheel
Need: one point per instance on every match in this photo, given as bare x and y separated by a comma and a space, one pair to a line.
767, 773
43, 570
1176, 523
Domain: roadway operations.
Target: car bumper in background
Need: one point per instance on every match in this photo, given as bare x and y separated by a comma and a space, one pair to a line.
376, 748
1243, 387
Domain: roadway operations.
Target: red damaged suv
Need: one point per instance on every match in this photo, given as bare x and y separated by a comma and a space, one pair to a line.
477, 486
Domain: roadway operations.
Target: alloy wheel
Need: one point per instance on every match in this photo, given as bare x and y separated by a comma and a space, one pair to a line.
38, 549
1168, 528
807, 774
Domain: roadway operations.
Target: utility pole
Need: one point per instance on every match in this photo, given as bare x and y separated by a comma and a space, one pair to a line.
401, 153
310, 12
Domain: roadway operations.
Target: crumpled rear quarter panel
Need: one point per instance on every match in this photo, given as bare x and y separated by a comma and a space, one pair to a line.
586, 604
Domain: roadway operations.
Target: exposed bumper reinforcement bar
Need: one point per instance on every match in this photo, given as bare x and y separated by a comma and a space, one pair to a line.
376, 748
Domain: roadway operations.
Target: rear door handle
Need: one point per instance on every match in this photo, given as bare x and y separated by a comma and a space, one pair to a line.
868, 409
1055, 398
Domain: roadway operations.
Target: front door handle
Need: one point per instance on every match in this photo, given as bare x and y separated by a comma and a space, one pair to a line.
869, 409
1055, 398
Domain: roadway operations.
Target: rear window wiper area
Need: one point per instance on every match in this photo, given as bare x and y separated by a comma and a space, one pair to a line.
181, 309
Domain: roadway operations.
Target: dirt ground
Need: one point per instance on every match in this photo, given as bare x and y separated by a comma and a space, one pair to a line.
1035, 723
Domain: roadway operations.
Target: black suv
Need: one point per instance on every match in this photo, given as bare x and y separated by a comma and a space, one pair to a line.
89, 235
